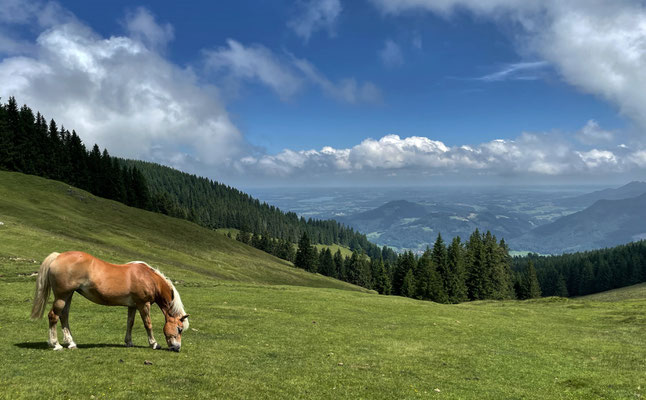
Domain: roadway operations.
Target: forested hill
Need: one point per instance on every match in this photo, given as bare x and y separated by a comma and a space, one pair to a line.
583, 273
215, 205
29, 144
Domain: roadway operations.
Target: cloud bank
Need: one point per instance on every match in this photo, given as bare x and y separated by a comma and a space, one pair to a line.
543, 155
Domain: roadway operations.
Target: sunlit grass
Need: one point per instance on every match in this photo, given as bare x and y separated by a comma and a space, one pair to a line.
264, 336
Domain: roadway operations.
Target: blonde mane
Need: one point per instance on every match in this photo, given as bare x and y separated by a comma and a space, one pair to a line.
176, 306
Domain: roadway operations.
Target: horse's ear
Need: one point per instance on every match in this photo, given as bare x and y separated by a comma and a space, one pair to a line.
184, 317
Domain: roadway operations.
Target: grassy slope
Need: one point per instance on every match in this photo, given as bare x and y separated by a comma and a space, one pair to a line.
41, 216
264, 341
634, 292
345, 251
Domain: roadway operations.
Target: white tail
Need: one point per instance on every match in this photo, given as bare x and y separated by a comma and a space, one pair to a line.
42, 287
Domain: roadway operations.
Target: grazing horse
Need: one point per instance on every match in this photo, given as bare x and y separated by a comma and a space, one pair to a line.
135, 285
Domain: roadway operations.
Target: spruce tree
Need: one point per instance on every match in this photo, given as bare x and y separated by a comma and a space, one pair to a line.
477, 277
455, 279
306, 256
529, 286
339, 264
380, 275
428, 282
408, 284
441, 263
405, 262
326, 263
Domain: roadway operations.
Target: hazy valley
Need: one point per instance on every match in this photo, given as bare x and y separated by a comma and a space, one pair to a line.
548, 220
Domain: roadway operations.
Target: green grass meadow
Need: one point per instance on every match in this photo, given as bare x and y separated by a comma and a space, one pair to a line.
262, 329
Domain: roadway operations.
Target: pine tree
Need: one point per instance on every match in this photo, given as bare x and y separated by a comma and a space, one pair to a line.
380, 275
501, 279
326, 263
477, 277
305, 255
339, 264
405, 262
561, 287
6, 140
408, 284
428, 281
455, 280
528, 285
358, 267
441, 263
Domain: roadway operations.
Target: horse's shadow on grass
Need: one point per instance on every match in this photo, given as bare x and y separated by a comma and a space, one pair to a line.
45, 346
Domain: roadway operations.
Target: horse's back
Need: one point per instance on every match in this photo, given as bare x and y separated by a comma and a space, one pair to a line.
95, 279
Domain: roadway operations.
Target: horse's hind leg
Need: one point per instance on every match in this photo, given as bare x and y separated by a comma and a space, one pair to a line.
54, 315
144, 310
131, 320
67, 334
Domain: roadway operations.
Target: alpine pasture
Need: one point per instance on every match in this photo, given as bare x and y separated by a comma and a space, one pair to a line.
262, 329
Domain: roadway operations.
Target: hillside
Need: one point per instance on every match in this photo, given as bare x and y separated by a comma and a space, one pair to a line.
632, 189
407, 225
257, 333
606, 223
634, 292
215, 205
30, 145
40, 216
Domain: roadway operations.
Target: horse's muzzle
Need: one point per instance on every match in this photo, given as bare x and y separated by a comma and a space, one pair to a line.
174, 348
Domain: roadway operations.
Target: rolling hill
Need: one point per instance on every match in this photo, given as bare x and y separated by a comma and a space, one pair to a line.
40, 216
262, 329
406, 225
606, 223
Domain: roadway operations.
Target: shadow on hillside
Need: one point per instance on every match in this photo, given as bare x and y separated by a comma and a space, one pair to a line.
45, 346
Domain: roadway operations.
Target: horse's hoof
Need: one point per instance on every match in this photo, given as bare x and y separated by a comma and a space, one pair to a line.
129, 344
72, 346
156, 346
58, 347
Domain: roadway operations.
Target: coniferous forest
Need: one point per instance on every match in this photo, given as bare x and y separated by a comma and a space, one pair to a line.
477, 269
30, 145
578, 274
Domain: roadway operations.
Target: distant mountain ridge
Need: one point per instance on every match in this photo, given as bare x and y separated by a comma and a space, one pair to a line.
606, 223
404, 224
613, 216
631, 189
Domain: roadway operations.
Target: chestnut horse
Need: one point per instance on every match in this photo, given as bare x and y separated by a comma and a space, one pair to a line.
135, 285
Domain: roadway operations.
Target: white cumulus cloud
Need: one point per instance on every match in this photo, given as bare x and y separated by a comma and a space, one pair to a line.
529, 155
592, 133
141, 25
122, 94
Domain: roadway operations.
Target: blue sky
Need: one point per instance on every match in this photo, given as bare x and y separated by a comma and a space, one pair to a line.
335, 91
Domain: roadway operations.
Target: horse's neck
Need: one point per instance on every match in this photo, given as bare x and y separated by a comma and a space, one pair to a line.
164, 295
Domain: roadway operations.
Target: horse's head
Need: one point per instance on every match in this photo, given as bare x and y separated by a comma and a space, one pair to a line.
173, 331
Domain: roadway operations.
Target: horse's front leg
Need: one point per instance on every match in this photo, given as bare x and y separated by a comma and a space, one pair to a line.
144, 310
131, 321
